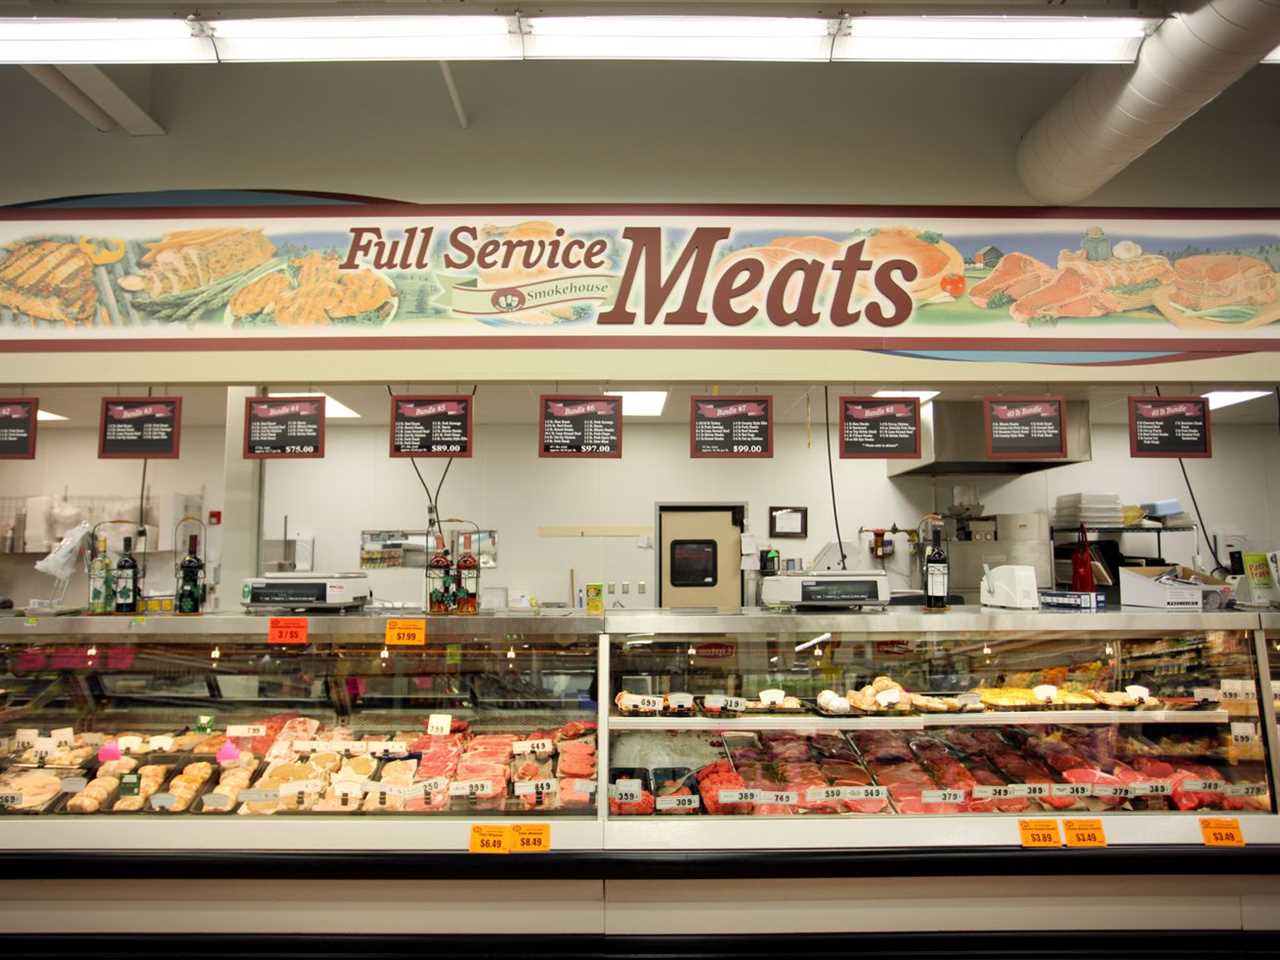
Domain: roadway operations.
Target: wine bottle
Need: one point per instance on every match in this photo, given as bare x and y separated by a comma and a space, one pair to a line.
126, 580
190, 578
936, 575
102, 595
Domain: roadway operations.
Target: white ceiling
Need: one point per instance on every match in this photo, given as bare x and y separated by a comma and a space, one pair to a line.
517, 403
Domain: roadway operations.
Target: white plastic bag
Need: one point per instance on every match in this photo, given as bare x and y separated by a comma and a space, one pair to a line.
62, 560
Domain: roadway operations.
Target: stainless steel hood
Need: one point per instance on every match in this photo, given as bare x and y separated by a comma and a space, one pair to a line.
953, 443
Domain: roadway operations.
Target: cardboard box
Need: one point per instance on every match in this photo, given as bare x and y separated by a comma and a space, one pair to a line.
1138, 588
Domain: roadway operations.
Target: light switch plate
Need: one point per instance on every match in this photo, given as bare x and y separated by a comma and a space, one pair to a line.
626, 586
640, 588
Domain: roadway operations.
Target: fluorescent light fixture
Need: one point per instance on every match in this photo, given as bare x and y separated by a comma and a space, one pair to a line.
333, 410
994, 39
924, 396
678, 38
1229, 398
1273, 56
287, 39
46, 415
812, 643
33, 40
640, 403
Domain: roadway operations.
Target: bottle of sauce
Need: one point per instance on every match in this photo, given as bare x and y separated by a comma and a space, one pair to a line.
126, 580
937, 574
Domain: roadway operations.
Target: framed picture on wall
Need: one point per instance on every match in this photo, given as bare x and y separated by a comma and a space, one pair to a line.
789, 522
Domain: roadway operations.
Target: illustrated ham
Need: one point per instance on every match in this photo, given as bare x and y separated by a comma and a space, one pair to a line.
1223, 279
1015, 276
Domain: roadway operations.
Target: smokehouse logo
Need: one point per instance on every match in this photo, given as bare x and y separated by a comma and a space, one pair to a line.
508, 300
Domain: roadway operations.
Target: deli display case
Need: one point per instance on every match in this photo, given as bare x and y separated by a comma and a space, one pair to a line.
636, 731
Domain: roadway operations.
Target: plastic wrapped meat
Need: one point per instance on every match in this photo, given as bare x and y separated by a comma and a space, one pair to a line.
571, 794
1020, 769
831, 746
1085, 775
880, 746
844, 769
985, 776
1153, 769
715, 777
577, 759
1186, 799
400, 772
1128, 775
481, 770
574, 729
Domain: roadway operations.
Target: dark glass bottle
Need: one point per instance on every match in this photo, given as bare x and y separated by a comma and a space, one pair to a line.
936, 575
191, 578
126, 580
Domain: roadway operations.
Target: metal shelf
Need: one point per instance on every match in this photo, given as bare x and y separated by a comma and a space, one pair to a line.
997, 718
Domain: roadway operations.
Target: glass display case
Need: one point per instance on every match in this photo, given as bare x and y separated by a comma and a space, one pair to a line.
640, 730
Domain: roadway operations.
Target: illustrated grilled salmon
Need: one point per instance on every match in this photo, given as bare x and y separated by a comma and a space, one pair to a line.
49, 280
189, 259
260, 295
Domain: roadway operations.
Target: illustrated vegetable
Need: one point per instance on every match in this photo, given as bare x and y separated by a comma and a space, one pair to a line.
954, 284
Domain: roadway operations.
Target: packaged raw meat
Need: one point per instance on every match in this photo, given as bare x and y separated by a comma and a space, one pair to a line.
832, 746
1188, 792
879, 746
574, 729
641, 806
985, 776
675, 782
715, 777
573, 793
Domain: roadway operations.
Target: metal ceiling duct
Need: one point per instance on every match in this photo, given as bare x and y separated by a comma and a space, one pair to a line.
1113, 115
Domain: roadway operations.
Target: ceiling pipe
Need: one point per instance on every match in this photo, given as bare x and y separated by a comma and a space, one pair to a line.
1113, 115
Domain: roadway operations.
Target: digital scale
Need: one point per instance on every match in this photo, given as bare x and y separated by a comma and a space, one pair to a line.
827, 588
306, 591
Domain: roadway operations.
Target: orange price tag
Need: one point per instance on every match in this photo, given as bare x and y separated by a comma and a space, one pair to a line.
1040, 833
485, 839
1221, 832
531, 838
1084, 833
406, 633
287, 631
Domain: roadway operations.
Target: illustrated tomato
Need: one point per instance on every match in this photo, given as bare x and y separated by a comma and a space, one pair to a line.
953, 283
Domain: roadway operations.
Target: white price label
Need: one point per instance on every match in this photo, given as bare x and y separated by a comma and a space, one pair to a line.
1202, 786
994, 791
866, 793
772, 698
627, 791
10, 799
73, 784
161, 743
1232, 690
740, 796
260, 795
942, 796
380, 748
1243, 733
1031, 789
246, 730
1155, 788
392, 790
582, 786
434, 784
785, 797
45, 747
470, 788
1071, 790
63, 736
439, 724
823, 794
350, 788
677, 803
680, 701
1138, 692
1211, 694
349, 746
301, 786
527, 788
129, 744
1247, 790
639, 702
532, 746
312, 746
1112, 790
163, 801
25, 738
1045, 692
216, 801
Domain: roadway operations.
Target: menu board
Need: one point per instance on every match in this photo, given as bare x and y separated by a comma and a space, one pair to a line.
18, 419
580, 426
1025, 428
140, 428
880, 427
438, 426
1169, 427
283, 427
731, 427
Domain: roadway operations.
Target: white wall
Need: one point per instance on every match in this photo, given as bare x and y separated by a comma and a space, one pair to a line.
508, 488
67, 463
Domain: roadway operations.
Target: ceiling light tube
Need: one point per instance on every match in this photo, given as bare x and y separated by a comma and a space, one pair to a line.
924, 396
678, 38
993, 39
54, 40
47, 415
640, 403
333, 409
366, 38
1229, 398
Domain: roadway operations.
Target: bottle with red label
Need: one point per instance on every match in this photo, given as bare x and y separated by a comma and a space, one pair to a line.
468, 579
440, 580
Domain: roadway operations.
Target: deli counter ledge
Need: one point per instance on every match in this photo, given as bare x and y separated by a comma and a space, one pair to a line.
645, 743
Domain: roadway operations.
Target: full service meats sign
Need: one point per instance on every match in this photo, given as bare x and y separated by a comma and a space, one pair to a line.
584, 277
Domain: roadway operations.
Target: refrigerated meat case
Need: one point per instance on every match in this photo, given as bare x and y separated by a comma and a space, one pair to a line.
639, 732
